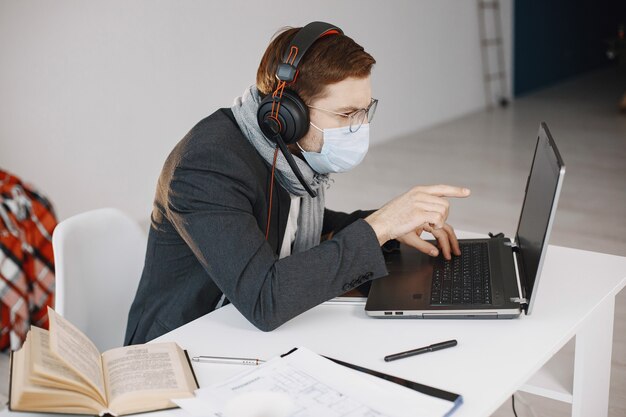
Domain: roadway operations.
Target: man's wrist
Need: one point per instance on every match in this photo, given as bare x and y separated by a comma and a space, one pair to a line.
379, 229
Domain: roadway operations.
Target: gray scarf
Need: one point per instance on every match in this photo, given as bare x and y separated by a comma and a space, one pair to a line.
311, 213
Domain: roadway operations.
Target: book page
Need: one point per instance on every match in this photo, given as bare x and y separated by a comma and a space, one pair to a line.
154, 367
44, 363
27, 395
75, 349
46, 369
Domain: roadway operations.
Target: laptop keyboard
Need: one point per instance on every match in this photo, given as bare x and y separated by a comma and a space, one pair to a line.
464, 279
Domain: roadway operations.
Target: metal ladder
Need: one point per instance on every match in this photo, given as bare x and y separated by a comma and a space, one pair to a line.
487, 43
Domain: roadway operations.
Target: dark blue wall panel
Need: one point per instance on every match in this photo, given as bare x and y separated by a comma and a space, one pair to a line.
557, 39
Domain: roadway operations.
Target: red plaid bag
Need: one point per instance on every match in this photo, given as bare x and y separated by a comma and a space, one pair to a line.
26, 260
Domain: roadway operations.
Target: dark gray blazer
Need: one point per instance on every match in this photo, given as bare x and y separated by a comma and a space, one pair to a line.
207, 239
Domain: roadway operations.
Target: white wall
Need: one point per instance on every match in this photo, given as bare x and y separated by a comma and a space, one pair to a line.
94, 94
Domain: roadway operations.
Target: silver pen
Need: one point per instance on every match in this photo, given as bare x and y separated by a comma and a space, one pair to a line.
223, 359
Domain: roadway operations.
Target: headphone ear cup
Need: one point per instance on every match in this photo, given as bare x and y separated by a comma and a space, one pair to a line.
268, 126
293, 117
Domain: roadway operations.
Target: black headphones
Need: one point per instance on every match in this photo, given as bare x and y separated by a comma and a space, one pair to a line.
283, 116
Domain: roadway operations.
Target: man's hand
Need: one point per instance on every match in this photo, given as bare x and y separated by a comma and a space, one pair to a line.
446, 239
423, 208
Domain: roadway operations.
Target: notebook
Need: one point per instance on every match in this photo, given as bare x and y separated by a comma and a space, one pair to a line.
494, 278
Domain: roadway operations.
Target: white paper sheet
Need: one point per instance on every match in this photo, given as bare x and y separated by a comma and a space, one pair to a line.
304, 384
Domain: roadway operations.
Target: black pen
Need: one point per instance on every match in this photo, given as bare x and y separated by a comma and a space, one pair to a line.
431, 348
227, 360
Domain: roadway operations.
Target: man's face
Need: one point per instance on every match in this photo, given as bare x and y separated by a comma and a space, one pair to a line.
343, 97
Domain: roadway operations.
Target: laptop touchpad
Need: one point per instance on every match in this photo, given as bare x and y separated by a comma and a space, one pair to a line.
408, 283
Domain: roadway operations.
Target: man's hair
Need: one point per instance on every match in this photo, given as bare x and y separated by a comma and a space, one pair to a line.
330, 59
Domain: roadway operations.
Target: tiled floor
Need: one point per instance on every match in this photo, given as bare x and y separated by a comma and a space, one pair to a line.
490, 152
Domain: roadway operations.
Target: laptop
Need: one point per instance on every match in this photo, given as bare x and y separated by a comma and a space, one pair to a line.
494, 278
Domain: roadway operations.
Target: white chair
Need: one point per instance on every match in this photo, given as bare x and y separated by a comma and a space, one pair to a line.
98, 256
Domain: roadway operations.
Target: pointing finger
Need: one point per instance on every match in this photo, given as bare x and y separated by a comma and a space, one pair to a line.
443, 190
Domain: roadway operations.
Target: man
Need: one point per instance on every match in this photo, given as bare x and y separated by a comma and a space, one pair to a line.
233, 223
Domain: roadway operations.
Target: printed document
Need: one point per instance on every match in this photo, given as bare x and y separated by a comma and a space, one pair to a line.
305, 384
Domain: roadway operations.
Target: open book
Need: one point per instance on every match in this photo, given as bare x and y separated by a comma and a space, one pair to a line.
61, 371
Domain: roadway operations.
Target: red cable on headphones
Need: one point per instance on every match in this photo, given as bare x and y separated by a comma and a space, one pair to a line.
300, 43
269, 209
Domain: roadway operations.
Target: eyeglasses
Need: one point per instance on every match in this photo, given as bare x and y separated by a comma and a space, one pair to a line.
357, 117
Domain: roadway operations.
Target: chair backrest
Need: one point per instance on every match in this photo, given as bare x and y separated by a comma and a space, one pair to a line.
98, 256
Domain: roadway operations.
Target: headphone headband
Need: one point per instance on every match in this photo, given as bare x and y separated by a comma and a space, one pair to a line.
300, 43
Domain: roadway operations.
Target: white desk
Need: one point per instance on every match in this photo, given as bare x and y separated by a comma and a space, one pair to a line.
493, 359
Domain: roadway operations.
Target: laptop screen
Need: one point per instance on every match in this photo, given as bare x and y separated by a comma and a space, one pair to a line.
538, 209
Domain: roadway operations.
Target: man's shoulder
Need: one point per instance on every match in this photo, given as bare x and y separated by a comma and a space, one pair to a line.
217, 130
220, 120
215, 140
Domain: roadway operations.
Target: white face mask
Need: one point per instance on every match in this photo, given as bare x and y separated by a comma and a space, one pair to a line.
342, 149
